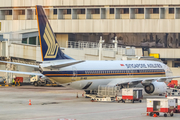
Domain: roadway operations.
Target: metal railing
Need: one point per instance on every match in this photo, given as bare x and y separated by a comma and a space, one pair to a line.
121, 50
84, 44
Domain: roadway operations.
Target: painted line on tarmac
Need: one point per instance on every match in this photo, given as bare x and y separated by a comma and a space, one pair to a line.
87, 113
126, 117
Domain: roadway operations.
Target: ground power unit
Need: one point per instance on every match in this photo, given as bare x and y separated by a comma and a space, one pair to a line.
158, 106
177, 101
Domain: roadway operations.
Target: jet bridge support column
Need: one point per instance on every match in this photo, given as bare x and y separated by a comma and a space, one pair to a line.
100, 48
9, 76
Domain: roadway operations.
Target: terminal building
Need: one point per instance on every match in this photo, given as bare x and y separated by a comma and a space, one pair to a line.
78, 25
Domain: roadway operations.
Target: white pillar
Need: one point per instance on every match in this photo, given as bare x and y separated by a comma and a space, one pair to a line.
115, 43
170, 63
100, 47
37, 40
28, 40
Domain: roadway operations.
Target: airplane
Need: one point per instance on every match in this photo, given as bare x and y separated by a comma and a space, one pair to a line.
88, 75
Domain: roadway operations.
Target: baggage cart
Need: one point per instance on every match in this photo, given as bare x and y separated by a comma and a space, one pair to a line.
177, 102
157, 106
173, 91
105, 93
108, 91
132, 94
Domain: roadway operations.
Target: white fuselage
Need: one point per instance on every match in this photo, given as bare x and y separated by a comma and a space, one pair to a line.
91, 74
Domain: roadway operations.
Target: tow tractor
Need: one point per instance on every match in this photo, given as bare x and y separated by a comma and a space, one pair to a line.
39, 81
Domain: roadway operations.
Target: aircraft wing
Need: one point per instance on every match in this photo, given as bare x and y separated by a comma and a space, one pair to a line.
124, 81
25, 73
28, 65
134, 81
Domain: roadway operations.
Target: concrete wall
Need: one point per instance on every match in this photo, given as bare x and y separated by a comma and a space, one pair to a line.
25, 52
62, 39
99, 26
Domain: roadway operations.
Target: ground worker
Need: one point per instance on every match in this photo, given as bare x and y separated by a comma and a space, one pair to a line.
4, 81
175, 86
13, 81
19, 82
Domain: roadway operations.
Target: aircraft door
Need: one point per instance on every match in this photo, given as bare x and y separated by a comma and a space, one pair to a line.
74, 75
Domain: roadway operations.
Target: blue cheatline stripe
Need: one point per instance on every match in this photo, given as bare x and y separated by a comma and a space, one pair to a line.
103, 73
98, 75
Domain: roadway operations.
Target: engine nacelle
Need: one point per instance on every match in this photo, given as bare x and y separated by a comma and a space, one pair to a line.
156, 88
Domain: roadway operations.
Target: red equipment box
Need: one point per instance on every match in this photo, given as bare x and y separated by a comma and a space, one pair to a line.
157, 106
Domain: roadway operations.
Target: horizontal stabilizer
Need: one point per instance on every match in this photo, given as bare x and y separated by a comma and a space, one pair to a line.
28, 65
60, 64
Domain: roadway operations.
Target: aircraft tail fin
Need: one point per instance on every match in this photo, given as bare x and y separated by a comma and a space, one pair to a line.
50, 50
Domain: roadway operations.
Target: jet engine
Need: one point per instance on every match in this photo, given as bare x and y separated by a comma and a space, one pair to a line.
155, 88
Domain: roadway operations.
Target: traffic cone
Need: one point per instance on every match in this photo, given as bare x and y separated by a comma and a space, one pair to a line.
155, 115
29, 102
166, 95
147, 114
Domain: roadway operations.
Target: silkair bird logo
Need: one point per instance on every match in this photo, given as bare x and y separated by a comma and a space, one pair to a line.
50, 41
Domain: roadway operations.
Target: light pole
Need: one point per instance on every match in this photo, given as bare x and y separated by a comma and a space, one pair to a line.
115, 43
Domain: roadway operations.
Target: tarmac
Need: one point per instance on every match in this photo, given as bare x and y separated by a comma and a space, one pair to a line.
60, 103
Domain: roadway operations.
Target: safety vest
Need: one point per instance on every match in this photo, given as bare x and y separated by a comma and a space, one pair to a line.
13, 81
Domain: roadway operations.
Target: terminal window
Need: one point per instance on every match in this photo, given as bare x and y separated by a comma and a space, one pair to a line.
95, 11
32, 40
111, 11
38, 41
55, 11
68, 11
8, 12
24, 40
140, 10
21, 12
155, 10
82, 11
126, 11
171, 10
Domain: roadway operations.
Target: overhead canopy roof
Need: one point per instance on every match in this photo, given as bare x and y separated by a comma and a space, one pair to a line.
19, 34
